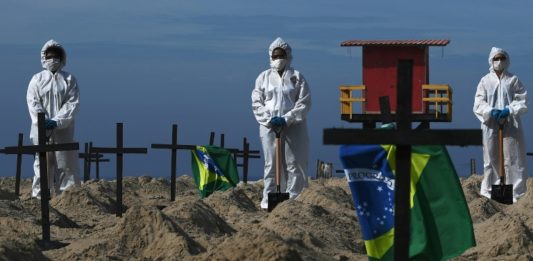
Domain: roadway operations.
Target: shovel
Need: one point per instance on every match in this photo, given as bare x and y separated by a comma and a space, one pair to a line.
274, 198
502, 193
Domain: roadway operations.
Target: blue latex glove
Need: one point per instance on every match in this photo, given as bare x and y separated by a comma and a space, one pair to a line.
282, 121
495, 113
272, 120
275, 121
278, 121
50, 124
504, 114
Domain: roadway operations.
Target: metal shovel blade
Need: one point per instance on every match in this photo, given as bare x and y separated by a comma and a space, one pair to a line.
274, 198
502, 193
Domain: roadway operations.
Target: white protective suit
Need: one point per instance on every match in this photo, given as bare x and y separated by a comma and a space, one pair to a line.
289, 97
57, 95
498, 93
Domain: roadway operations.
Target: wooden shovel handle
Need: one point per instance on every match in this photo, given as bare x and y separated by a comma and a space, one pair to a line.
502, 167
278, 160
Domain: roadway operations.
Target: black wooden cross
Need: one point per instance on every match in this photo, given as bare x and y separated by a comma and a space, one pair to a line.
245, 154
119, 151
85, 155
89, 156
42, 148
174, 146
403, 137
19, 151
97, 160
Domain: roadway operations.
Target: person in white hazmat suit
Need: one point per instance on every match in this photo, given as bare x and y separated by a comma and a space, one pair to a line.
55, 93
281, 99
501, 99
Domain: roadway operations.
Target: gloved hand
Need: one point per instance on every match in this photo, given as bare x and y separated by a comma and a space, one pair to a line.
50, 124
278, 121
504, 114
495, 113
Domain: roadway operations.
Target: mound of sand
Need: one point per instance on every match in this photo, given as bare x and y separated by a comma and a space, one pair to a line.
228, 225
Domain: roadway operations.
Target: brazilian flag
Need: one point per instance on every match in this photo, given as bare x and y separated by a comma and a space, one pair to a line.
441, 226
214, 169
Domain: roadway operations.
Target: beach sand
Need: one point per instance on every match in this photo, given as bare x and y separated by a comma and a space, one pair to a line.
228, 225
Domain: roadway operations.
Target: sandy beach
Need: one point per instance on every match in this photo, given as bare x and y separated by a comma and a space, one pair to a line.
228, 225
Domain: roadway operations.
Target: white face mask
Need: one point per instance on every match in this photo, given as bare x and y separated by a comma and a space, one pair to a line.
498, 65
278, 64
52, 64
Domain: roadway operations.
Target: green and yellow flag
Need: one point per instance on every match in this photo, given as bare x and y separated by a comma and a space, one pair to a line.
214, 169
441, 226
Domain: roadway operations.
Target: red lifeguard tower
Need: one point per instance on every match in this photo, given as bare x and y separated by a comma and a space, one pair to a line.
383, 62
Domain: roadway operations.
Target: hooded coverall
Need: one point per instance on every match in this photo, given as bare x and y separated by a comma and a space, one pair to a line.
286, 96
56, 95
495, 92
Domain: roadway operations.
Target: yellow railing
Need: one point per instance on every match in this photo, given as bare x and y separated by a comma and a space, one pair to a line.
347, 98
440, 96
437, 95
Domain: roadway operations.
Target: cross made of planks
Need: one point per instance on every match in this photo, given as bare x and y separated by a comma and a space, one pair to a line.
119, 151
403, 137
19, 152
245, 154
174, 147
42, 148
89, 156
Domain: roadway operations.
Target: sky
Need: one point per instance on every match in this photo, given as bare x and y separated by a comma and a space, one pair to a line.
151, 64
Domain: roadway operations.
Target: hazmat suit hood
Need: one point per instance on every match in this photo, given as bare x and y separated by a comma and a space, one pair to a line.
53, 43
493, 52
280, 43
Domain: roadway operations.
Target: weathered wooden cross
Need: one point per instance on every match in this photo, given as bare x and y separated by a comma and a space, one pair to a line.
97, 160
403, 137
119, 151
89, 156
245, 154
19, 151
174, 146
42, 148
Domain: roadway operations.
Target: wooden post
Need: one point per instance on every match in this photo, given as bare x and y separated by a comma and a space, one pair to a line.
42, 148
19, 166
245, 155
119, 151
403, 137
472, 167
120, 158
174, 146
212, 138
86, 162
89, 156
43, 172
317, 174
173, 166
19, 150
403, 162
